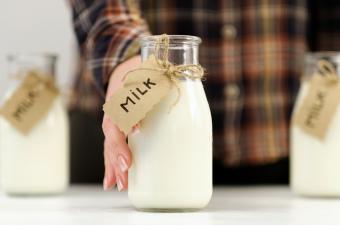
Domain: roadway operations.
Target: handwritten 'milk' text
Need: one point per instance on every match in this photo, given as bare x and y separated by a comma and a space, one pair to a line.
137, 94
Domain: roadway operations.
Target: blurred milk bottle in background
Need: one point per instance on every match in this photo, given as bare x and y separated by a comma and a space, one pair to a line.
34, 129
315, 132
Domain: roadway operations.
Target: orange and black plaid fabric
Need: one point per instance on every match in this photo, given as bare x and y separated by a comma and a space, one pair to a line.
252, 50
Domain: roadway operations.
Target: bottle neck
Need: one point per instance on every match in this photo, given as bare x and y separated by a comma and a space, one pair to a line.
182, 49
312, 62
20, 64
178, 55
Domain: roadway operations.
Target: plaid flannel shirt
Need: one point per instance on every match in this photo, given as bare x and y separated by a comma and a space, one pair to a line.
252, 50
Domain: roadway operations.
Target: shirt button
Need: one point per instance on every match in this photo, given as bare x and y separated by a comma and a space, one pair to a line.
232, 91
229, 32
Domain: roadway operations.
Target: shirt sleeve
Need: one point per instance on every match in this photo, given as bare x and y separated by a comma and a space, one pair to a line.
107, 32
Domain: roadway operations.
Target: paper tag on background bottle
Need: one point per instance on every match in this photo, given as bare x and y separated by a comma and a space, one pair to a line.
318, 107
142, 89
30, 102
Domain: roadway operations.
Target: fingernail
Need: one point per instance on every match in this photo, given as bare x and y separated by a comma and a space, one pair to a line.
135, 129
119, 185
105, 184
123, 166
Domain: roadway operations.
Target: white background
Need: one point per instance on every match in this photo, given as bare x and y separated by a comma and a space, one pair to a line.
38, 26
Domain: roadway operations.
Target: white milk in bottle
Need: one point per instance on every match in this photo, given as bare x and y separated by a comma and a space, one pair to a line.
172, 152
315, 162
37, 162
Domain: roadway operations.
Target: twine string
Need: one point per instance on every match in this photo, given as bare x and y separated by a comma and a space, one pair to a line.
175, 72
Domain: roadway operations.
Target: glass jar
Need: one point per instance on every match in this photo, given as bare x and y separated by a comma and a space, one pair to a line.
36, 163
315, 169
172, 152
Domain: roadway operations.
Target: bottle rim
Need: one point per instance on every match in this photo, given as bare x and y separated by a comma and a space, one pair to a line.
173, 39
28, 55
333, 56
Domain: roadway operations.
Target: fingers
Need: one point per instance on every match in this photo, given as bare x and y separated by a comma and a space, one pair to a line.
109, 180
122, 180
122, 162
117, 156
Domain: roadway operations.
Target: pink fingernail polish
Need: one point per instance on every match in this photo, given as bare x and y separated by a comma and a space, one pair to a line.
123, 166
119, 185
105, 184
135, 129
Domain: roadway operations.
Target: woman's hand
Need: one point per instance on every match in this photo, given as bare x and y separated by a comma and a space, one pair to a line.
117, 155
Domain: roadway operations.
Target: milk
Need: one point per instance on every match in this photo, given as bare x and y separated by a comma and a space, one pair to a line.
36, 163
172, 153
315, 165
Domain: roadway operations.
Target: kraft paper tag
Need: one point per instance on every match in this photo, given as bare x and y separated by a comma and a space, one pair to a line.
318, 107
142, 89
30, 102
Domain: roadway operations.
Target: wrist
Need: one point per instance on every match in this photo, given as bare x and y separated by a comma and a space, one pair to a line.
117, 75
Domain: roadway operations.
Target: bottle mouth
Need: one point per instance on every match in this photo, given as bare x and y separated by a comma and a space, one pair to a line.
332, 56
24, 56
174, 40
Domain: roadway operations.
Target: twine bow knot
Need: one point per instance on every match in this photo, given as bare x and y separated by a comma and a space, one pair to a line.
175, 72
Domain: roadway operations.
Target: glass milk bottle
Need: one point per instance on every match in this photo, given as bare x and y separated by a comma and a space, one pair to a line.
172, 152
35, 163
315, 164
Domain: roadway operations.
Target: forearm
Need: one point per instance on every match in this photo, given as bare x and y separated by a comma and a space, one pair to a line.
107, 33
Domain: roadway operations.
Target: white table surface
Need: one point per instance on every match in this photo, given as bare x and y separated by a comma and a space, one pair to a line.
229, 205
